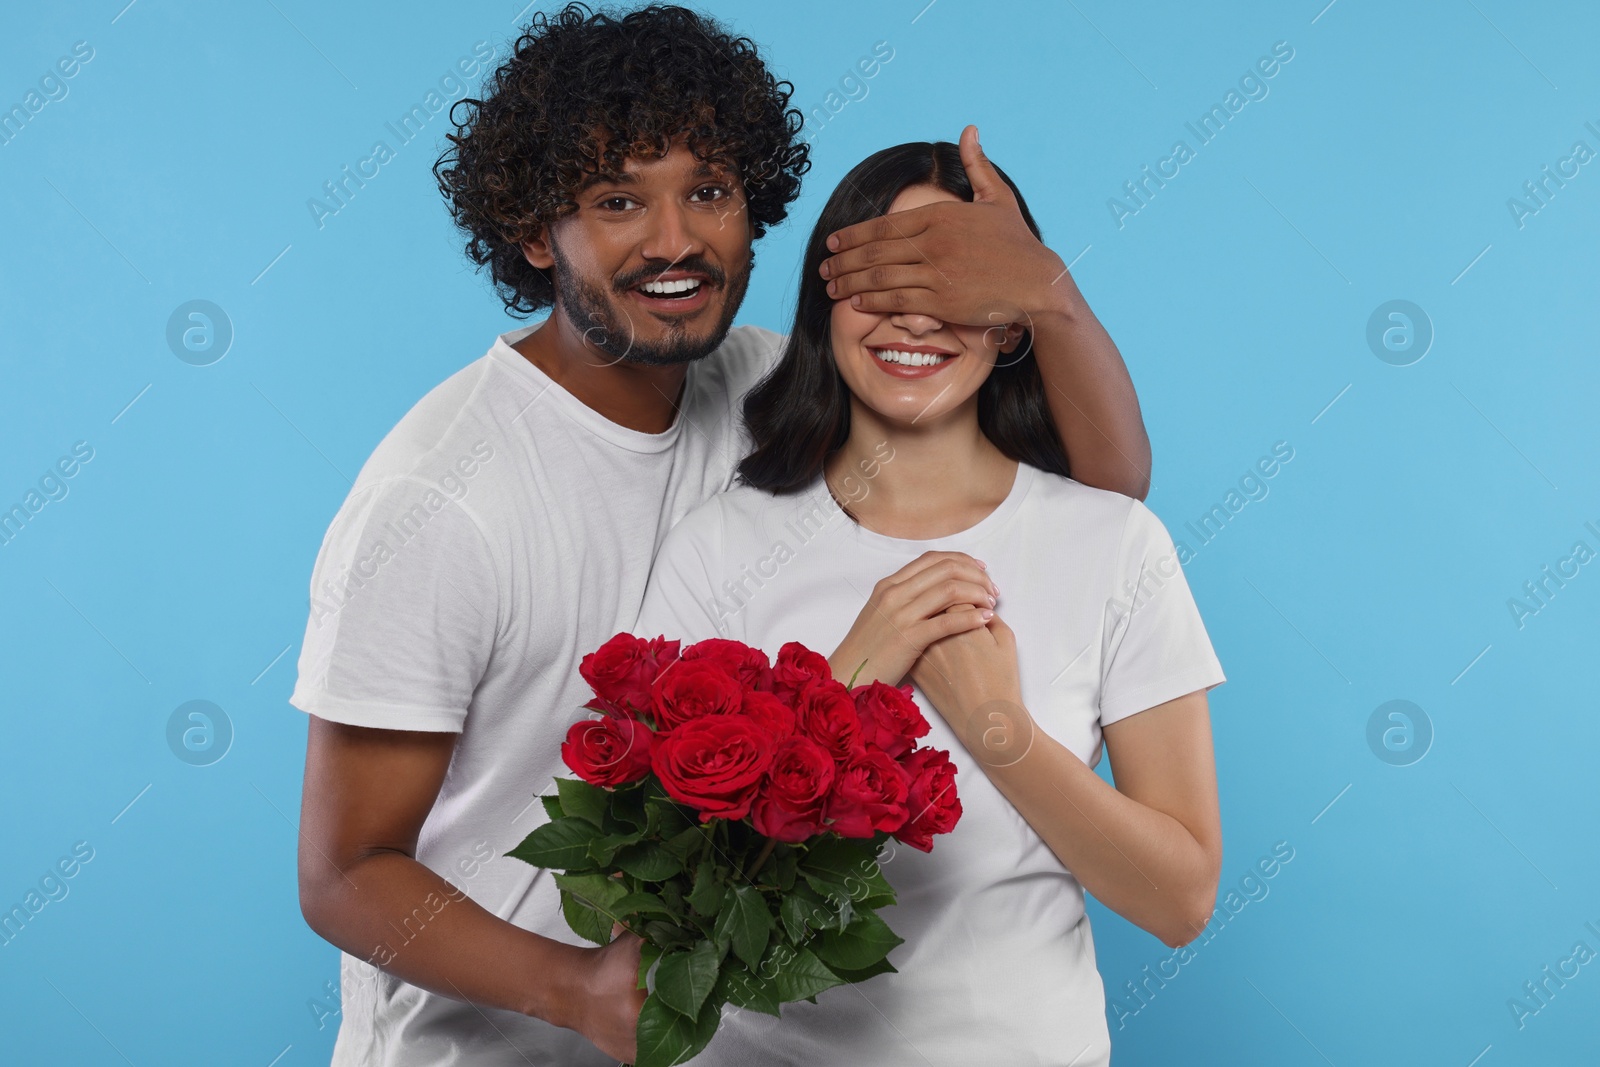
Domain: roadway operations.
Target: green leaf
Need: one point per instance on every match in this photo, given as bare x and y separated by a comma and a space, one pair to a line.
648, 954
665, 818
584, 920
627, 810
648, 861
685, 979
589, 903
802, 911
840, 908
552, 807
840, 859
683, 843
559, 845
874, 901
666, 1038
883, 966
602, 849
584, 801
706, 896
668, 934
788, 861
800, 975
738, 986
863, 943
639, 904
746, 920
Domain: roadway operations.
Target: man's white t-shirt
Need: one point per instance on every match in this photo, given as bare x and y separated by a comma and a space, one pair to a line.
499, 532
998, 964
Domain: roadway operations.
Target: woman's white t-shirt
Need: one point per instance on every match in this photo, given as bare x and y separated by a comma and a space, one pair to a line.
998, 964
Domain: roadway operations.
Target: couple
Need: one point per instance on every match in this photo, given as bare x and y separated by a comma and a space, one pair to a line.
890, 485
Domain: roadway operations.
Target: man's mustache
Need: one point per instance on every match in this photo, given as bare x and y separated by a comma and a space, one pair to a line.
652, 272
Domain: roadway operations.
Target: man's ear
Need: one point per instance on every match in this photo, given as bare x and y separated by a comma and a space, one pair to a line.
536, 250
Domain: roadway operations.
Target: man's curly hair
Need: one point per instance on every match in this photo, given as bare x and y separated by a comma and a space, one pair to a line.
636, 81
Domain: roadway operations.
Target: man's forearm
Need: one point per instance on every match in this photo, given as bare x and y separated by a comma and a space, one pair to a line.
398, 914
1090, 394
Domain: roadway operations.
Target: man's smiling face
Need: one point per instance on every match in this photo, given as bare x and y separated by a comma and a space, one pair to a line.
654, 263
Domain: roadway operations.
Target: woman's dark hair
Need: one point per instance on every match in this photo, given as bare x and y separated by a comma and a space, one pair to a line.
800, 413
637, 79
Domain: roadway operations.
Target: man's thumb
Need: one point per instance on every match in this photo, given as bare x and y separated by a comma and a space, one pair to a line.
986, 181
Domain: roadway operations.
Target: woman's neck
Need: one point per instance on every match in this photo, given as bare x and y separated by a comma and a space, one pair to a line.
918, 481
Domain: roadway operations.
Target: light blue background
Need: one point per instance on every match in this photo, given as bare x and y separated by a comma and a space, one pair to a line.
1379, 566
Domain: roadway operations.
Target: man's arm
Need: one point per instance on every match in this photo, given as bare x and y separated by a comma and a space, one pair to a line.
980, 265
1092, 399
366, 794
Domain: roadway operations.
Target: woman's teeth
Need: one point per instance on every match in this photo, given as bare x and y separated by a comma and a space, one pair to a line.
909, 359
682, 285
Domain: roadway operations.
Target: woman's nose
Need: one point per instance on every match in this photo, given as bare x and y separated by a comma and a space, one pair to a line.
913, 323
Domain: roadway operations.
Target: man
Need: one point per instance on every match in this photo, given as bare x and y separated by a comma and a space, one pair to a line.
616, 172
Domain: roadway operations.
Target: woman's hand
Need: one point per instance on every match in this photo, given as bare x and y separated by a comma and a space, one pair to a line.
971, 679
935, 595
609, 998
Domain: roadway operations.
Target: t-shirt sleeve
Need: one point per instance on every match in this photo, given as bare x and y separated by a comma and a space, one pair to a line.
1156, 646
404, 612
681, 600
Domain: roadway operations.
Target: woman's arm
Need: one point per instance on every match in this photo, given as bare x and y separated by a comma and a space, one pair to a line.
1149, 848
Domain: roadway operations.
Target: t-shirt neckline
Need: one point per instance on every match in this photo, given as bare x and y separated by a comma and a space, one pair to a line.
958, 541
547, 390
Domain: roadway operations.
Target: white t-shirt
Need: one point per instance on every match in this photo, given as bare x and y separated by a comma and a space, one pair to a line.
499, 532
998, 964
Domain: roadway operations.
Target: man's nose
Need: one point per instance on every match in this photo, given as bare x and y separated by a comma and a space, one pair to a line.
672, 235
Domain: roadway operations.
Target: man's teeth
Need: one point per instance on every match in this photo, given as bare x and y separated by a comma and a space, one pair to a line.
682, 285
908, 359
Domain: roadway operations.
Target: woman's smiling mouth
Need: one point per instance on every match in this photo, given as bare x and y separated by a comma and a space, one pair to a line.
910, 361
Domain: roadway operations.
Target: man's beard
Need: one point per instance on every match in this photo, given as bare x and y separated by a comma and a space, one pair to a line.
605, 327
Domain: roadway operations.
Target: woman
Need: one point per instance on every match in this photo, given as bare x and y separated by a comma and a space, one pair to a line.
898, 445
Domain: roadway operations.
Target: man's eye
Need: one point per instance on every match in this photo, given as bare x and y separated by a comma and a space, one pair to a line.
718, 192
611, 203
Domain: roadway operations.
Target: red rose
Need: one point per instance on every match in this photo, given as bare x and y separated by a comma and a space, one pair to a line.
690, 689
869, 794
790, 806
608, 751
932, 802
621, 670
714, 764
749, 665
890, 717
797, 665
827, 714
776, 717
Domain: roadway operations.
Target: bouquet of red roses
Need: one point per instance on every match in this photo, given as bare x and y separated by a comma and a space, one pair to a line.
729, 811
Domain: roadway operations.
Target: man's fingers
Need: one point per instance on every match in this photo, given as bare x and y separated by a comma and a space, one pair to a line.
894, 249
986, 182
883, 278
896, 225
900, 302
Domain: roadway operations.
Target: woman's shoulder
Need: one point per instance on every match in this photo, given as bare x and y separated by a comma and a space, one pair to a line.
1051, 490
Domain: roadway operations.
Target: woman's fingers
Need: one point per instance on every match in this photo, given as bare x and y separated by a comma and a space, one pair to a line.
955, 621
926, 560
915, 586
942, 596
